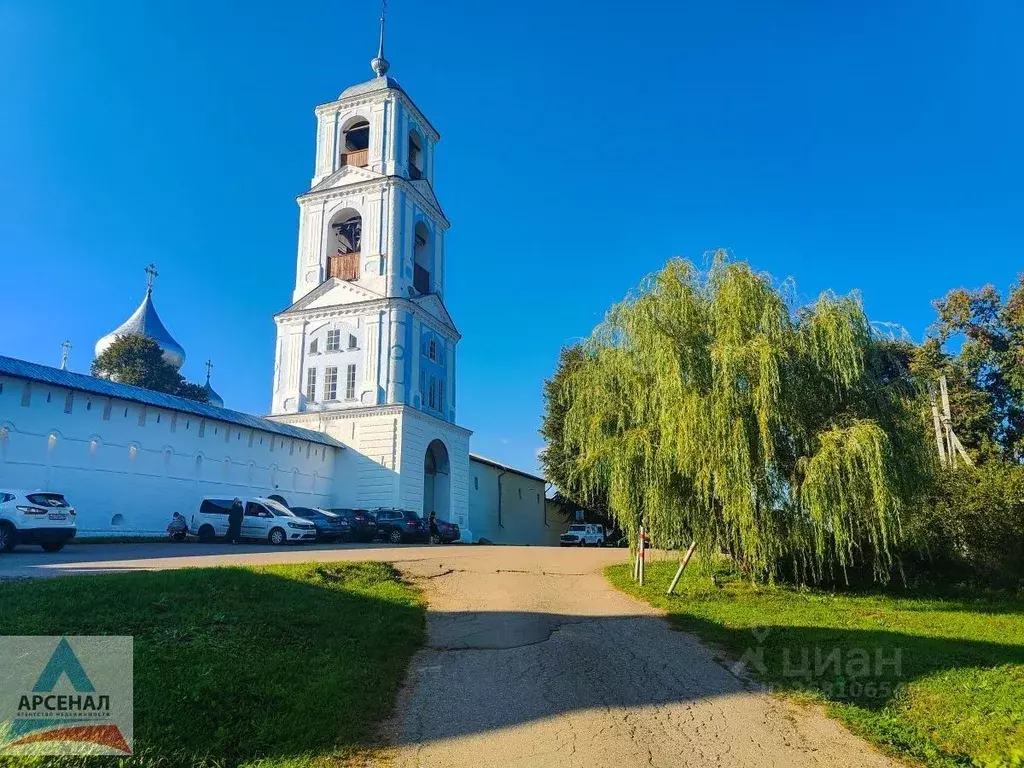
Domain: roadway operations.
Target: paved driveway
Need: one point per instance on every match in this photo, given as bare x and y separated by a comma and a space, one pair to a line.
534, 660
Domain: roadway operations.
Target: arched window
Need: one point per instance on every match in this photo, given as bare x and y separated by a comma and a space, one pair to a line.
415, 156
421, 258
355, 144
344, 243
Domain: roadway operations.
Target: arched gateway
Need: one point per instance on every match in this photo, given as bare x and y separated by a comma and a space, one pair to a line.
436, 480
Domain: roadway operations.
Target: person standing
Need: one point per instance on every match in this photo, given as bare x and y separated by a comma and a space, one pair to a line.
235, 521
435, 532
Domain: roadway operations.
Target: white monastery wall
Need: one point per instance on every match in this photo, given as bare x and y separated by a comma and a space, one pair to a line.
126, 466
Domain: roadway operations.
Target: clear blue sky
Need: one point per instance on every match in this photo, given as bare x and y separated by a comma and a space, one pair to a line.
872, 145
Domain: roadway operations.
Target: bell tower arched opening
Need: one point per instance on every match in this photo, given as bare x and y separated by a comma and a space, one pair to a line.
422, 265
415, 156
344, 244
355, 144
436, 481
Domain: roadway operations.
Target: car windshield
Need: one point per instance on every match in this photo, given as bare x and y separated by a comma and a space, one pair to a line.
277, 509
47, 499
577, 528
328, 515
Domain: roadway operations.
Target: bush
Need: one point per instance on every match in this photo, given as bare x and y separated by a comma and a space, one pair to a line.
972, 531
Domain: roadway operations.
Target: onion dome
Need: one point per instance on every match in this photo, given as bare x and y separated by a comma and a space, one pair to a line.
211, 395
145, 322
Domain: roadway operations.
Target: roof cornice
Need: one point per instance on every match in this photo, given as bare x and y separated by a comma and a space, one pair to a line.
386, 182
362, 307
376, 97
343, 414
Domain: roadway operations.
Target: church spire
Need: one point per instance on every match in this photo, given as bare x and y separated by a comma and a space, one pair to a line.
379, 64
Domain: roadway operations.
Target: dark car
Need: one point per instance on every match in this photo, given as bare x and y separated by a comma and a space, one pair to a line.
398, 525
362, 526
448, 532
329, 526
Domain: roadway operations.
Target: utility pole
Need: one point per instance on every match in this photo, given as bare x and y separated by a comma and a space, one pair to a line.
948, 443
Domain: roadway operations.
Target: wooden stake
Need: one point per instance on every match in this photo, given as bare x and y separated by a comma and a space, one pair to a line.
682, 567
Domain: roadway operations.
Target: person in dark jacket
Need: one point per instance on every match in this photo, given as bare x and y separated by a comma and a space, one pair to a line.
235, 521
435, 532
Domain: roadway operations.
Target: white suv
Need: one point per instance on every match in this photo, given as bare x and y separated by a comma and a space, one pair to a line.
35, 517
263, 519
582, 535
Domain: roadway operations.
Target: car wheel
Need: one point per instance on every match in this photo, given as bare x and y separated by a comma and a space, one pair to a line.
277, 537
52, 546
206, 533
6, 537
395, 537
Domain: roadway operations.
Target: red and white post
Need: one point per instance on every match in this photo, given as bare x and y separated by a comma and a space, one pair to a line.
640, 555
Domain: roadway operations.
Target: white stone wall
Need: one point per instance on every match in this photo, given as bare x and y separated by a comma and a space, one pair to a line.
126, 467
524, 517
384, 457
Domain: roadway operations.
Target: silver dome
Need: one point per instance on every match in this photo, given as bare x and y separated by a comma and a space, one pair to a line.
145, 322
211, 396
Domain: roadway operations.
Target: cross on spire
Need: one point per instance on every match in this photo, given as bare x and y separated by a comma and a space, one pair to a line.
379, 64
209, 367
151, 275
65, 351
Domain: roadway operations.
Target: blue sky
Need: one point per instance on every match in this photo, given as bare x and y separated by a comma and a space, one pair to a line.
873, 146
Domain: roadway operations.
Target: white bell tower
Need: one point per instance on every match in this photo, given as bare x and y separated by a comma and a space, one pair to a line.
366, 351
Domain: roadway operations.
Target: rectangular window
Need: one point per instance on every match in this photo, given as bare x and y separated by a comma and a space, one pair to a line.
350, 383
353, 342
331, 383
433, 392
440, 396
423, 388
311, 385
333, 341
432, 349
476, 483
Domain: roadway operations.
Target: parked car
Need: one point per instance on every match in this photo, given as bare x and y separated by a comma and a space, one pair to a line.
329, 526
448, 531
362, 526
35, 517
582, 535
263, 520
398, 525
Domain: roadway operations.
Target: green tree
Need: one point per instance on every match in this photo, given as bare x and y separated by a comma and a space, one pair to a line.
706, 406
556, 458
138, 360
977, 342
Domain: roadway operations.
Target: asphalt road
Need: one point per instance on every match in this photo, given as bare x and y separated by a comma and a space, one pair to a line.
534, 660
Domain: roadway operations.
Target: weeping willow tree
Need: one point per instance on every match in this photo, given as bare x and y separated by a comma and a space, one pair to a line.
707, 406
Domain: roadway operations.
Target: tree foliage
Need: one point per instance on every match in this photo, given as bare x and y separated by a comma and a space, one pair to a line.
707, 406
977, 341
138, 360
556, 458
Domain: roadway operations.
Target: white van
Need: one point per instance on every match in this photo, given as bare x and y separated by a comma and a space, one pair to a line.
262, 520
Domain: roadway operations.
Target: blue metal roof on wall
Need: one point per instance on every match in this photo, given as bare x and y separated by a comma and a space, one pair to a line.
59, 378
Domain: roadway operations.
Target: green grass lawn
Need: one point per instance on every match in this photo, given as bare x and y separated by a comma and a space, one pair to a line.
279, 666
956, 699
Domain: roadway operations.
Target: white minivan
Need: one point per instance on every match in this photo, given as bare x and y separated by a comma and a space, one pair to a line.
35, 517
263, 520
